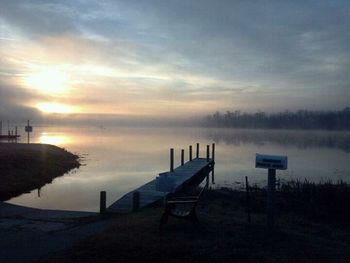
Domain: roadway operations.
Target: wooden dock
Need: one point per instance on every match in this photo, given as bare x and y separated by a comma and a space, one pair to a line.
11, 134
9, 137
189, 174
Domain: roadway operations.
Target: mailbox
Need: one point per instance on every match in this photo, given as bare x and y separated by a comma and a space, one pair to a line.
277, 162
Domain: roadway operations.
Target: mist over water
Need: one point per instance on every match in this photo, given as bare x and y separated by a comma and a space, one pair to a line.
119, 159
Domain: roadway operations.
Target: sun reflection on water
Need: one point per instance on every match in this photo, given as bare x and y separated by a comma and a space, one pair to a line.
54, 139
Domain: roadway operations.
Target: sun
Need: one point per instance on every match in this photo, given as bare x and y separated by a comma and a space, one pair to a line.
54, 108
49, 81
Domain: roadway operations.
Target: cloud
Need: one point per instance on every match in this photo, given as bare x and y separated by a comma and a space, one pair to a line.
11, 104
148, 56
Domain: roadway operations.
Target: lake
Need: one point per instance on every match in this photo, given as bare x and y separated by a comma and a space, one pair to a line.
119, 159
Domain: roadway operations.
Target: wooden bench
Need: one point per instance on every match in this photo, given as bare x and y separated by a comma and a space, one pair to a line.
181, 207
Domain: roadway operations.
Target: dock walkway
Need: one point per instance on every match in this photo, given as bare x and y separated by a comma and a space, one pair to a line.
192, 172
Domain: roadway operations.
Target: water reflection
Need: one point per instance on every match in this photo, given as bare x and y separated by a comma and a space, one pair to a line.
118, 160
299, 139
55, 139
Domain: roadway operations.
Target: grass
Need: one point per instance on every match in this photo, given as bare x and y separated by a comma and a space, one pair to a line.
223, 236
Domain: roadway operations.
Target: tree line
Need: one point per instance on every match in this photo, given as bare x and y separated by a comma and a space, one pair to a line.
301, 119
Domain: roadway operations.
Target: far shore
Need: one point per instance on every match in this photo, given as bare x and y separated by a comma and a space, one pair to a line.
25, 167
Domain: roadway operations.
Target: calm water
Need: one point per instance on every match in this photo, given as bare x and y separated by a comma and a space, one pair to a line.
118, 160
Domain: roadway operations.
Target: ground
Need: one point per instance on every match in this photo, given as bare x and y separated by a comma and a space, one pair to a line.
24, 167
301, 234
223, 236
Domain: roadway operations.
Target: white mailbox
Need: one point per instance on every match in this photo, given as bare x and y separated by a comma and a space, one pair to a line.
277, 162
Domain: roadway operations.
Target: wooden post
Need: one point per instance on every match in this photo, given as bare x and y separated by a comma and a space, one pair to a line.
213, 152
182, 157
213, 160
172, 160
271, 186
102, 202
135, 201
247, 198
16, 130
190, 152
208, 150
0, 127
197, 150
28, 131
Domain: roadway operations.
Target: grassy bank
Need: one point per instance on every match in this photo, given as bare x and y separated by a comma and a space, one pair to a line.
24, 167
224, 235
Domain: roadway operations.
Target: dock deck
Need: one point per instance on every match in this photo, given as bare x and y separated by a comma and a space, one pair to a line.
191, 173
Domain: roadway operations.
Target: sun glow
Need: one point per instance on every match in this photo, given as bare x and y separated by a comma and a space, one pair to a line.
54, 108
48, 138
49, 80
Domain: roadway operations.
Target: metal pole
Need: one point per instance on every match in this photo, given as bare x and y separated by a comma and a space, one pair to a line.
247, 198
271, 186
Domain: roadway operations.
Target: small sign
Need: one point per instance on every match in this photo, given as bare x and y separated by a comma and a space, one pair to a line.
29, 128
277, 162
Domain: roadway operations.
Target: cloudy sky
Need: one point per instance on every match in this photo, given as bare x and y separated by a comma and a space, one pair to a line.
173, 58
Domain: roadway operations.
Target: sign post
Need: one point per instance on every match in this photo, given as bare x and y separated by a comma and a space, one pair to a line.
272, 163
28, 129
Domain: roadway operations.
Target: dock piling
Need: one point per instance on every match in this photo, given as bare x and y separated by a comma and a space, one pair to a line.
208, 150
171, 159
27, 130
190, 152
213, 152
213, 160
102, 202
135, 201
182, 157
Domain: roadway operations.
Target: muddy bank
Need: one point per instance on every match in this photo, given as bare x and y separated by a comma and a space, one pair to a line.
24, 167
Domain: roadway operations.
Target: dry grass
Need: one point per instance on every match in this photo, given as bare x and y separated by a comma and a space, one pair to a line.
24, 167
223, 236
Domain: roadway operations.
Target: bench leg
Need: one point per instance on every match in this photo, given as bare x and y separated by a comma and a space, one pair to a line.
163, 220
194, 218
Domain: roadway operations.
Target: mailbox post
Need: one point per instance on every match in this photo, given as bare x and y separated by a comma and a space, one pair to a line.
272, 163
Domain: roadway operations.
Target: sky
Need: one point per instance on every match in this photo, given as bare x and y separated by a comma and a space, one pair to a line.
172, 59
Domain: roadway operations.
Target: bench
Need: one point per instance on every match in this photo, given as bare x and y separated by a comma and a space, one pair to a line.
181, 207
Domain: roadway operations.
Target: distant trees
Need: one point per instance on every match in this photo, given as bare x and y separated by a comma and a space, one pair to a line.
301, 119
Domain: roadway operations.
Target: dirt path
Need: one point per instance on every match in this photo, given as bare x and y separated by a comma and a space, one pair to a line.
29, 234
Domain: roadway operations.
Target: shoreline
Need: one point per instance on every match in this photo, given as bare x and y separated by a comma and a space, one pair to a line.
25, 167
